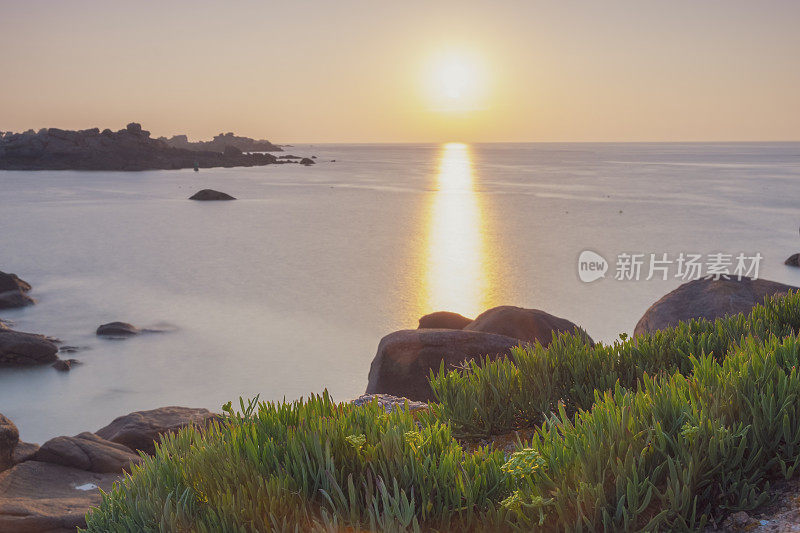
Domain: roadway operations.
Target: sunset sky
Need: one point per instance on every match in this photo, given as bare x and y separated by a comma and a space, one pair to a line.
349, 71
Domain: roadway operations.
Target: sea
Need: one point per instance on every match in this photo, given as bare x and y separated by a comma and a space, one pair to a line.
287, 291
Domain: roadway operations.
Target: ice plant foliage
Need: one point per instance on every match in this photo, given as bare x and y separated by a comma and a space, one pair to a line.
663, 432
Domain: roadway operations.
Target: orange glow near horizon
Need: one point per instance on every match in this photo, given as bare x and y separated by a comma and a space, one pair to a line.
456, 266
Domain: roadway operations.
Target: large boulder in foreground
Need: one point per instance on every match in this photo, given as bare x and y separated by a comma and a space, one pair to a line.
22, 349
405, 358
709, 299
43, 497
9, 437
529, 325
140, 430
87, 451
210, 194
13, 291
443, 320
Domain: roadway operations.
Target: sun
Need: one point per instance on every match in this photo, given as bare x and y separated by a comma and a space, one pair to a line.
455, 81
456, 78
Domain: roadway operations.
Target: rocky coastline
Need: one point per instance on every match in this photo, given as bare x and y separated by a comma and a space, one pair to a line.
128, 149
220, 142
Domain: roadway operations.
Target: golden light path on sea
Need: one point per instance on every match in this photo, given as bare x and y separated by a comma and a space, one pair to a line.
456, 268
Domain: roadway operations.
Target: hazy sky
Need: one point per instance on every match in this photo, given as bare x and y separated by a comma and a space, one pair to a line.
379, 71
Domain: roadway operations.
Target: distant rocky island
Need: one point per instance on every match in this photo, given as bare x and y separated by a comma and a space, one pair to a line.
222, 141
127, 149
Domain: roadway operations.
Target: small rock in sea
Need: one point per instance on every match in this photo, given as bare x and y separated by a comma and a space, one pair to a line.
313, 157
210, 194
793, 260
306, 161
65, 365
117, 329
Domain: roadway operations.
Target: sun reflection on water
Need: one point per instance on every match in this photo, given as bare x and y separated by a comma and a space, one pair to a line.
456, 273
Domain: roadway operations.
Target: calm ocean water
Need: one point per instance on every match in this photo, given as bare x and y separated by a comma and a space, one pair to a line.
289, 289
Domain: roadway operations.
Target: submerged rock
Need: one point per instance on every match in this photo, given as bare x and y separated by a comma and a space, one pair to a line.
65, 365
89, 452
443, 320
210, 194
13, 291
405, 358
529, 325
140, 430
709, 299
22, 349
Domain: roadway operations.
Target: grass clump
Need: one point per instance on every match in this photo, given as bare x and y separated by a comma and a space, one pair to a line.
673, 455
493, 397
309, 465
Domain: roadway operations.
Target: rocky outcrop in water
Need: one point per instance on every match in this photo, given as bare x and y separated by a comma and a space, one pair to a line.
709, 299
127, 149
793, 260
23, 349
222, 141
14, 291
117, 329
207, 195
